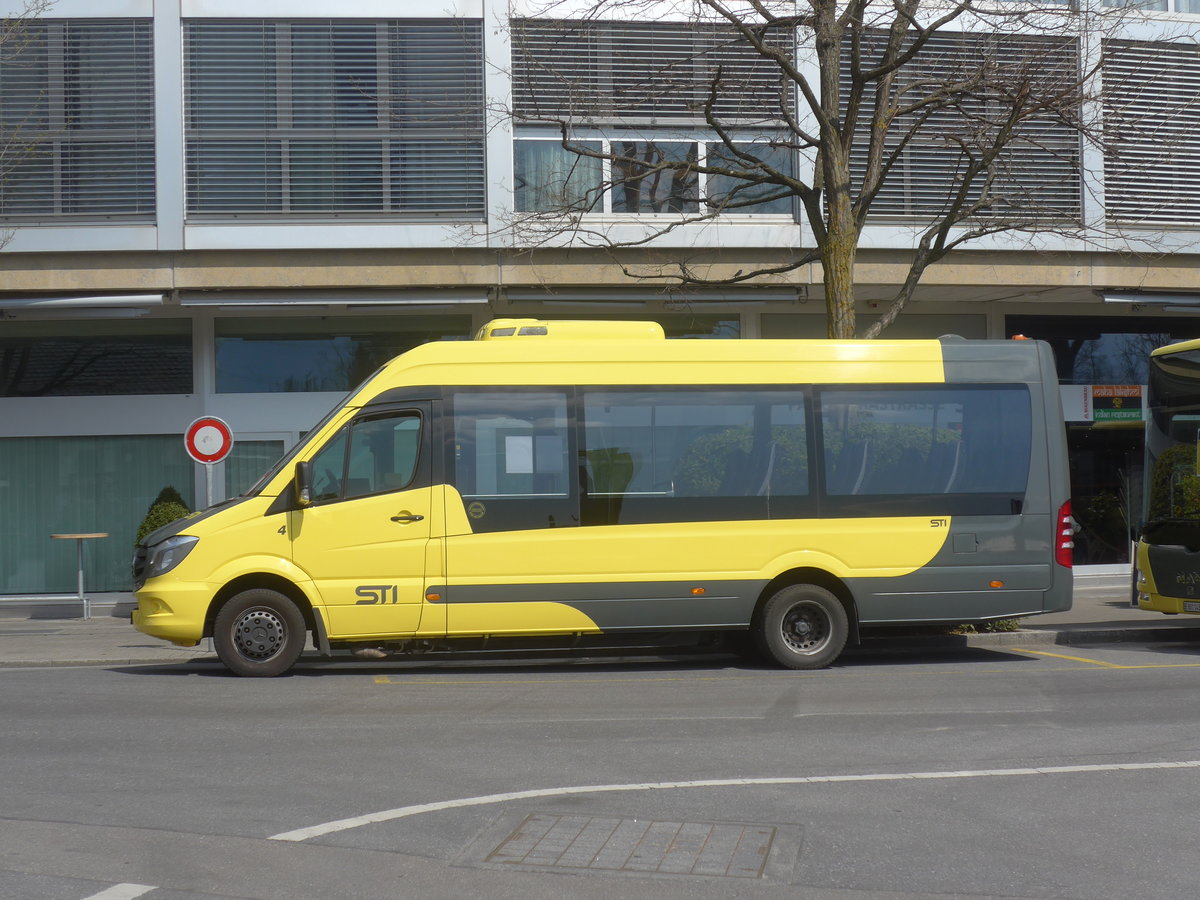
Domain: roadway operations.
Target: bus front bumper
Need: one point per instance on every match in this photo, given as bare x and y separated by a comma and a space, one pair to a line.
1169, 605
176, 615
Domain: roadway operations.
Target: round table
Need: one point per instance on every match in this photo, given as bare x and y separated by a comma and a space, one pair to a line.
79, 538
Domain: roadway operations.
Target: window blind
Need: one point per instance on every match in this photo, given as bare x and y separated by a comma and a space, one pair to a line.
642, 72
77, 121
1152, 132
333, 118
1037, 173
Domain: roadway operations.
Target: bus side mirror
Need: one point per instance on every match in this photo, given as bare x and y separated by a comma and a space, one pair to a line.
303, 483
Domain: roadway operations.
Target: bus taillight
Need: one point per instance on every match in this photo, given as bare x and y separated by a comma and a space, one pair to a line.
1064, 538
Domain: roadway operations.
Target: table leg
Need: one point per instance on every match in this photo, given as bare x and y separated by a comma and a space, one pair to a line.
83, 600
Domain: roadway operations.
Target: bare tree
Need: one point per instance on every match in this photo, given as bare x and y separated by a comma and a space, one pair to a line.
957, 119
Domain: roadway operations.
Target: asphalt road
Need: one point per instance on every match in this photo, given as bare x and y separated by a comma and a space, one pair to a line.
1027, 774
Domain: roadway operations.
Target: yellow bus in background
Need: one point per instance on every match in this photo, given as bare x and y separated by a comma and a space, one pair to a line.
1167, 562
591, 484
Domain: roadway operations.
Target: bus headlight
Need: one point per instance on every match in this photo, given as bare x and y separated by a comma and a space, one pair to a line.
166, 555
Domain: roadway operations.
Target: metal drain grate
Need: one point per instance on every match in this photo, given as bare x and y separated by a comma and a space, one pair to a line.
544, 840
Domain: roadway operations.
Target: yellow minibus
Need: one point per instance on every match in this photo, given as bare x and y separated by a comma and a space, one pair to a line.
590, 484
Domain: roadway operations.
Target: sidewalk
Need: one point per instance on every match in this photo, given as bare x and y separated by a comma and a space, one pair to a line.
1101, 613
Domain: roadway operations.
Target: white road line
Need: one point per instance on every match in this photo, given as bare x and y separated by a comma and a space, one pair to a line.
122, 892
303, 834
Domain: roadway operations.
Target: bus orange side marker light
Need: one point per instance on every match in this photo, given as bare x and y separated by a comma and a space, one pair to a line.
995, 584
433, 598
697, 591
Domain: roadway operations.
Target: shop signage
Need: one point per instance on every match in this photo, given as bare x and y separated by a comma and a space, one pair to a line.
1116, 403
1102, 402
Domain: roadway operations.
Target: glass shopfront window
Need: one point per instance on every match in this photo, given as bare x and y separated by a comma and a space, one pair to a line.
675, 325
1103, 349
326, 353
59, 485
1106, 452
95, 357
246, 463
911, 326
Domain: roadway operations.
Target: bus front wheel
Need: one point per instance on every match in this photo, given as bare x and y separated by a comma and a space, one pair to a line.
802, 626
259, 633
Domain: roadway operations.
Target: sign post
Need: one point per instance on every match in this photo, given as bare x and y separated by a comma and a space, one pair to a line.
208, 440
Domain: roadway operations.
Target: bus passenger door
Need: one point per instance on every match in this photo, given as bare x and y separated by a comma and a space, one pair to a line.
363, 539
512, 524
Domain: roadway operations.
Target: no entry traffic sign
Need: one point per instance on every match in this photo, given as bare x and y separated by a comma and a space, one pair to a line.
208, 440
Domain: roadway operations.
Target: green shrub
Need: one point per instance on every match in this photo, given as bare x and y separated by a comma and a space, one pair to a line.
993, 627
998, 625
168, 495
167, 507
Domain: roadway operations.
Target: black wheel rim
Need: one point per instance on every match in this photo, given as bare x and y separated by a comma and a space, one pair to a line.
259, 634
806, 628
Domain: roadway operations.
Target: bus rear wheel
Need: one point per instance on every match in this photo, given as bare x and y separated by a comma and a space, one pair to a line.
259, 633
802, 626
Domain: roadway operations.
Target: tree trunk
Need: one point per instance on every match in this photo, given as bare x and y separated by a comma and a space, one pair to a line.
837, 259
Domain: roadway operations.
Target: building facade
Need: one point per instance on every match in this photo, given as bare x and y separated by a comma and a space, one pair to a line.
241, 209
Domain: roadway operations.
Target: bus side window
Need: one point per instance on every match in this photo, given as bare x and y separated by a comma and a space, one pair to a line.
510, 462
329, 468
693, 454
370, 456
383, 453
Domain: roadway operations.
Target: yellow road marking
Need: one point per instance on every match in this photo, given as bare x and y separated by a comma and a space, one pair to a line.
1108, 665
1082, 659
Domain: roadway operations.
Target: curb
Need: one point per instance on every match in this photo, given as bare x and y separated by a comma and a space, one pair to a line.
1151, 634
1035, 637
69, 663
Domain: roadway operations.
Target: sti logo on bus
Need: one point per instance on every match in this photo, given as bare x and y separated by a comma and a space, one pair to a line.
375, 593
938, 523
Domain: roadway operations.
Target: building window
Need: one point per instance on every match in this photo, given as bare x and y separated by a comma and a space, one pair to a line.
94, 358
77, 121
737, 195
1037, 171
1180, 6
683, 325
246, 463
1151, 171
550, 177
643, 72
909, 326
644, 177
328, 118
1103, 349
640, 95
331, 353
655, 177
